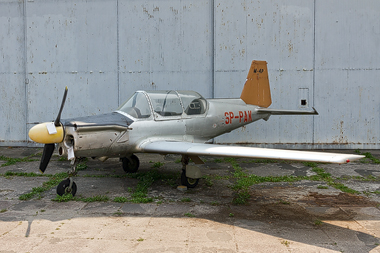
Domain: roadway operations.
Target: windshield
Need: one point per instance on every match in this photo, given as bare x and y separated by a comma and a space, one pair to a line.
165, 103
137, 106
192, 102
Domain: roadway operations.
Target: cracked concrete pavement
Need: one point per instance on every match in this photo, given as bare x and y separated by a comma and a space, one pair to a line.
301, 216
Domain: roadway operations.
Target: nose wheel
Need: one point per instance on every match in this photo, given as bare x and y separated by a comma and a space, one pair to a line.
67, 186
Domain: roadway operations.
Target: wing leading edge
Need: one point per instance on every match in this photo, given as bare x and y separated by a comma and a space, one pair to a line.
195, 149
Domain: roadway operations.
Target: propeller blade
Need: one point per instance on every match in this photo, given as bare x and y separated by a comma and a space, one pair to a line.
46, 155
57, 120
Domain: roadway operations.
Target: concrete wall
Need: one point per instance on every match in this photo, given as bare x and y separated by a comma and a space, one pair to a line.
324, 51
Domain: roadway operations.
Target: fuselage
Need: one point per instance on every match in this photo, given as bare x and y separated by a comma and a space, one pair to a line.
147, 117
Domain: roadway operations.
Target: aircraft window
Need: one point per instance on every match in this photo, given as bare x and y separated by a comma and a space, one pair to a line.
137, 106
166, 103
192, 102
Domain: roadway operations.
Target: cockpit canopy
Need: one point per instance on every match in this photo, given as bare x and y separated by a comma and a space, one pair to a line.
163, 104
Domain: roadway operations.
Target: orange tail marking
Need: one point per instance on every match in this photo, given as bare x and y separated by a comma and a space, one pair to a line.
256, 89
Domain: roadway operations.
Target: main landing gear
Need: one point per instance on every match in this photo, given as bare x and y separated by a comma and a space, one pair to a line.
189, 177
190, 174
130, 164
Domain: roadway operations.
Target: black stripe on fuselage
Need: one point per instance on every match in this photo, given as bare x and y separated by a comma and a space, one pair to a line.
113, 118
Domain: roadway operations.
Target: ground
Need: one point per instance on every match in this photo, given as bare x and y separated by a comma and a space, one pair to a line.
240, 205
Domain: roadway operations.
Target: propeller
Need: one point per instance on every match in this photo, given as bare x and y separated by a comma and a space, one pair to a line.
57, 120
49, 133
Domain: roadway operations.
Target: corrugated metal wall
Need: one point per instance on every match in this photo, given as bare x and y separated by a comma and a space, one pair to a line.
323, 51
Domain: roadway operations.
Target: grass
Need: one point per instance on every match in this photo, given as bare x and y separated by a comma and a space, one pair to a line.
241, 185
189, 215
11, 161
368, 157
157, 165
69, 197
120, 199
64, 198
286, 243
243, 181
37, 191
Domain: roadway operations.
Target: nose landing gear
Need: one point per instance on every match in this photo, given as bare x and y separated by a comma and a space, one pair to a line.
68, 185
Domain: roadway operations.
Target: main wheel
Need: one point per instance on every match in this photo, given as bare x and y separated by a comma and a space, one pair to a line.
130, 164
189, 182
63, 188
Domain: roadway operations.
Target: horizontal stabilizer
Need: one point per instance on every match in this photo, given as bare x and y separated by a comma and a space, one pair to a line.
285, 112
187, 148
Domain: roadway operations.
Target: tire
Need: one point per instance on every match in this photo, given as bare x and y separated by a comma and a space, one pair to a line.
131, 164
189, 182
62, 188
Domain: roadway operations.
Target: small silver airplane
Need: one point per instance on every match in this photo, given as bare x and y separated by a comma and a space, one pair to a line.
170, 122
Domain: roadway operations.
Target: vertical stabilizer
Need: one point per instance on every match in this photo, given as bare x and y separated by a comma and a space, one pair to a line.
256, 89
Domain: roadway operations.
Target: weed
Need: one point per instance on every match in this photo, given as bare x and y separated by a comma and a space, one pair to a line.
208, 181
37, 191
241, 198
157, 165
318, 222
286, 243
22, 174
371, 157
284, 202
368, 156
64, 198
186, 200
189, 215
322, 187
3, 210
310, 164
343, 188
140, 239
62, 158
215, 203
231, 215
120, 199
11, 161
118, 213
82, 165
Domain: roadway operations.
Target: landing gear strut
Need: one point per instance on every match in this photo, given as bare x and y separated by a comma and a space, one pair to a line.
68, 185
190, 182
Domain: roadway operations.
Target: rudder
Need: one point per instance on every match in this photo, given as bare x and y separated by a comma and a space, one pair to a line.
256, 89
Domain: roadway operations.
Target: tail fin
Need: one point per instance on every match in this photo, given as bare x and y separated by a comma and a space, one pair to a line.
256, 89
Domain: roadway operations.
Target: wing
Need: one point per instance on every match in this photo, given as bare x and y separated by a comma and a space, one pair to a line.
196, 149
